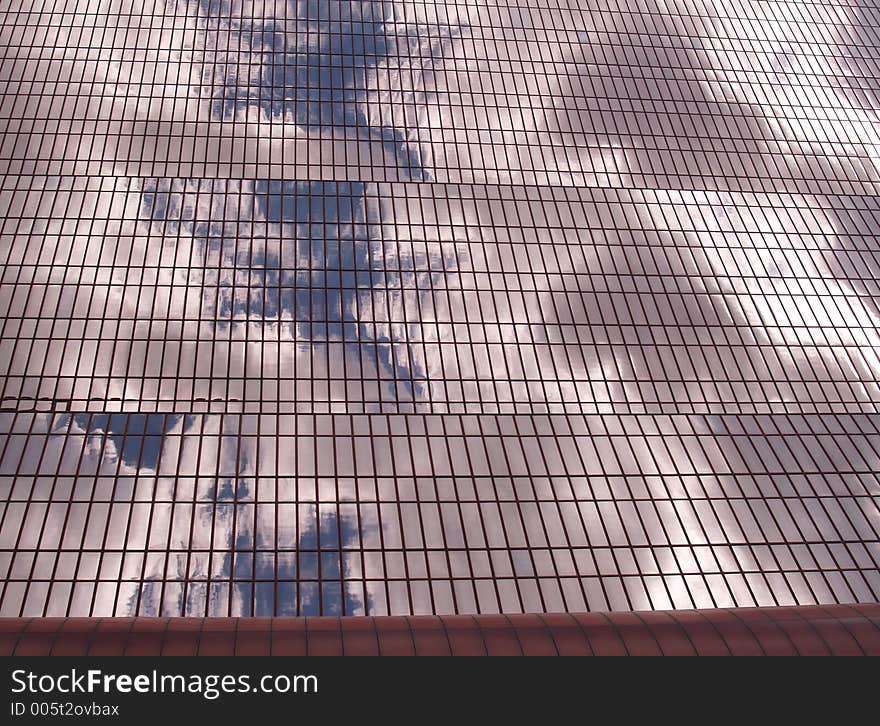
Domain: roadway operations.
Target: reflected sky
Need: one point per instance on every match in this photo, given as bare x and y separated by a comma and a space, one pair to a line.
361, 69
251, 515
390, 307
308, 262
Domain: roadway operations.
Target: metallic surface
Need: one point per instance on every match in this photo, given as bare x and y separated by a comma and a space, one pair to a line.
395, 307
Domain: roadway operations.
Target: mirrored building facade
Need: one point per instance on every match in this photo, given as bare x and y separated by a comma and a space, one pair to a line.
378, 307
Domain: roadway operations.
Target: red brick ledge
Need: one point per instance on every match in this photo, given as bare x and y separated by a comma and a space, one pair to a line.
809, 630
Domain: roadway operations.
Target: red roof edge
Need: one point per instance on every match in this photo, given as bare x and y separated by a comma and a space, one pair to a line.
799, 630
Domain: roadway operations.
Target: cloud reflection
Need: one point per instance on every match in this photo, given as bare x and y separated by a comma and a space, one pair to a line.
394, 307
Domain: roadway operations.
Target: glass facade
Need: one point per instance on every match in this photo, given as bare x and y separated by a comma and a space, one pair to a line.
410, 306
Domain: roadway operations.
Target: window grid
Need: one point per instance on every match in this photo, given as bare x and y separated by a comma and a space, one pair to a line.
409, 306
